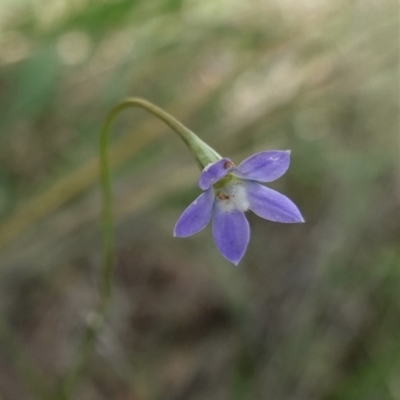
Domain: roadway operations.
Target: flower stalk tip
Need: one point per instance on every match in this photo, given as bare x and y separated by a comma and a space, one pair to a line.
228, 191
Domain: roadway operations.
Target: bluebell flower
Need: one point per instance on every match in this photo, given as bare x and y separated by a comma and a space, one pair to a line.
229, 192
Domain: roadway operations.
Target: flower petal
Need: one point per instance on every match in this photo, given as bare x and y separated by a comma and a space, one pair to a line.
231, 233
213, 172
196, 216
265, 166
269, 204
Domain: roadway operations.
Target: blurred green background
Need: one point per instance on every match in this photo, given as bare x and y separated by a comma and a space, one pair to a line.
313, 310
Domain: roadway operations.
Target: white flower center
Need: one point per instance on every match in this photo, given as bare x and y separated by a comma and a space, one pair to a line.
232, 196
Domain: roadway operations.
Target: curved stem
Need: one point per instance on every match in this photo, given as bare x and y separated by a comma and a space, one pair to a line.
202, 153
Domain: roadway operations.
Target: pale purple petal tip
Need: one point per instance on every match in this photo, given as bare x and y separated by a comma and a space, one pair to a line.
212, 173
196, 216
231, 233
265, 166
269, 204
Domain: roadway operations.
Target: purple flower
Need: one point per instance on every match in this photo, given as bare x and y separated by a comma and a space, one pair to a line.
229, 192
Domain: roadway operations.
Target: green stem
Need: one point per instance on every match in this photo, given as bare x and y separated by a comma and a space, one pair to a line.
203, 155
